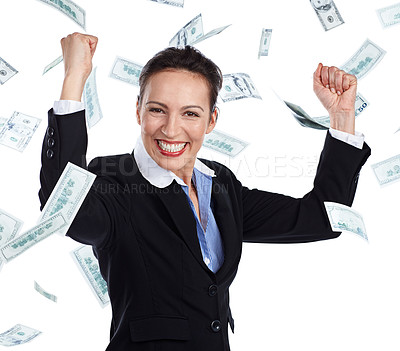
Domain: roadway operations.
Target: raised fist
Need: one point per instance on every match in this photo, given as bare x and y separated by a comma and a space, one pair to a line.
78, 50
337, 90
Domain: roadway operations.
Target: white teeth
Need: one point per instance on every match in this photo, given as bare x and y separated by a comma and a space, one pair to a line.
171, 147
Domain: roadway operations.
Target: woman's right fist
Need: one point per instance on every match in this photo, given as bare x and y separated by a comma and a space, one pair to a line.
78, 50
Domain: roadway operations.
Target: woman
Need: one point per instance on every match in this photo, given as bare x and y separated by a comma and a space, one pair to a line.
167, 227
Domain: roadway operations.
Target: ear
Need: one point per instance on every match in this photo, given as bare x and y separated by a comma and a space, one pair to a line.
137, 111
213, 120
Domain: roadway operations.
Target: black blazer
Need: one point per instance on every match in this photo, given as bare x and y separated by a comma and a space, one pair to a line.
163, 296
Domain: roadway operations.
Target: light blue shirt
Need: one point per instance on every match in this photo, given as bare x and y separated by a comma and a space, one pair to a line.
207, 230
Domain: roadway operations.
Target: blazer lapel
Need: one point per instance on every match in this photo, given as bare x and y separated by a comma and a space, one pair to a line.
176, 203
230, 233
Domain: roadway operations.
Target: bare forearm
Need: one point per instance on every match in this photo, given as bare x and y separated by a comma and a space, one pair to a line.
343, 121
73, 86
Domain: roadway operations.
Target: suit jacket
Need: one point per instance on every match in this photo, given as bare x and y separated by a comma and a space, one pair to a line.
163, 296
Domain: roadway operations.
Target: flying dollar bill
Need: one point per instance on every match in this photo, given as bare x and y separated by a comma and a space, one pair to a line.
6, 71
17, 335
177, 3
190, 32
44, 293
389, 16
52, 64
3, 121
210, 34
344, 218
9, 227
25, 241
304, 119
327, 13
387, 171
18, 131
126, 71
364, 60
322, 122
237, 86
92, 105
69, 8
224, 143
264, 42
68, 194
89, 267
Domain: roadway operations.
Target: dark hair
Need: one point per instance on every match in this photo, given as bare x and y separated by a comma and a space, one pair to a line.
186, 58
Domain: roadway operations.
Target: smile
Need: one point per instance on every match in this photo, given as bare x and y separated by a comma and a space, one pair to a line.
170, 149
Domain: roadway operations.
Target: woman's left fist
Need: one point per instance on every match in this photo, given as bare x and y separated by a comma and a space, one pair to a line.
336, 90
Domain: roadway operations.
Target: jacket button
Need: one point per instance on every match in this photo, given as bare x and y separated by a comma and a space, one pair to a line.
50, 153
216, 326
50, 142
50, 131
212, 290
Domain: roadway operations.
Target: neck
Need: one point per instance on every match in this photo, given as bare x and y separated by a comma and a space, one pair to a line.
186, 177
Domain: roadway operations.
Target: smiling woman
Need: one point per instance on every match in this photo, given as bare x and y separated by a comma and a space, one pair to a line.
167, 227
174, 115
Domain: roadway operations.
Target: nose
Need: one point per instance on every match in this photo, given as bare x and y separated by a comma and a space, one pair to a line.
171, 126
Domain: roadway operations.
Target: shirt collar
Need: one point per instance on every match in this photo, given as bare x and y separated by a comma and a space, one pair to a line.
158, 176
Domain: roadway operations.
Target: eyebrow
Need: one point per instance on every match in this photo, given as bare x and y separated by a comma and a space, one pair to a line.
183, 107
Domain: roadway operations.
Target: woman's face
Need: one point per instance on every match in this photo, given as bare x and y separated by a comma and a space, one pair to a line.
174, 116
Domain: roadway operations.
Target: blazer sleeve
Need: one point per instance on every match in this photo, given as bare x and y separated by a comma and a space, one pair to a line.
275, 218
102, 211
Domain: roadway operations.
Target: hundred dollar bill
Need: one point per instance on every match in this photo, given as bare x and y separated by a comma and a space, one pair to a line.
44, 293
92, 104
25, 241
17, 335
390, 15
304, 119
224, 143
177, 3
387, 171
89, 267
68, 194
126, 71
237, 86
264, 42
17, 132
69, 8
52, 64
3, 122
210, 34
187, 35
6, 71
364, 60
323, 122
9, 227
344, 218
327, 13
361, 104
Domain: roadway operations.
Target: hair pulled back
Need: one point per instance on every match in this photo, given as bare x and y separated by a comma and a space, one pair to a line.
189, 59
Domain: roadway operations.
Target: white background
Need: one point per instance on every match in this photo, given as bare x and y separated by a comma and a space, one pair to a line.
340, 294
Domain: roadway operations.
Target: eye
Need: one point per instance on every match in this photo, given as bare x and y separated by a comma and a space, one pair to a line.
156, 110
192, 114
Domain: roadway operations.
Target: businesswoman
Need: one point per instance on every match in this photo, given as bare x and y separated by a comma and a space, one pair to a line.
168, 227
